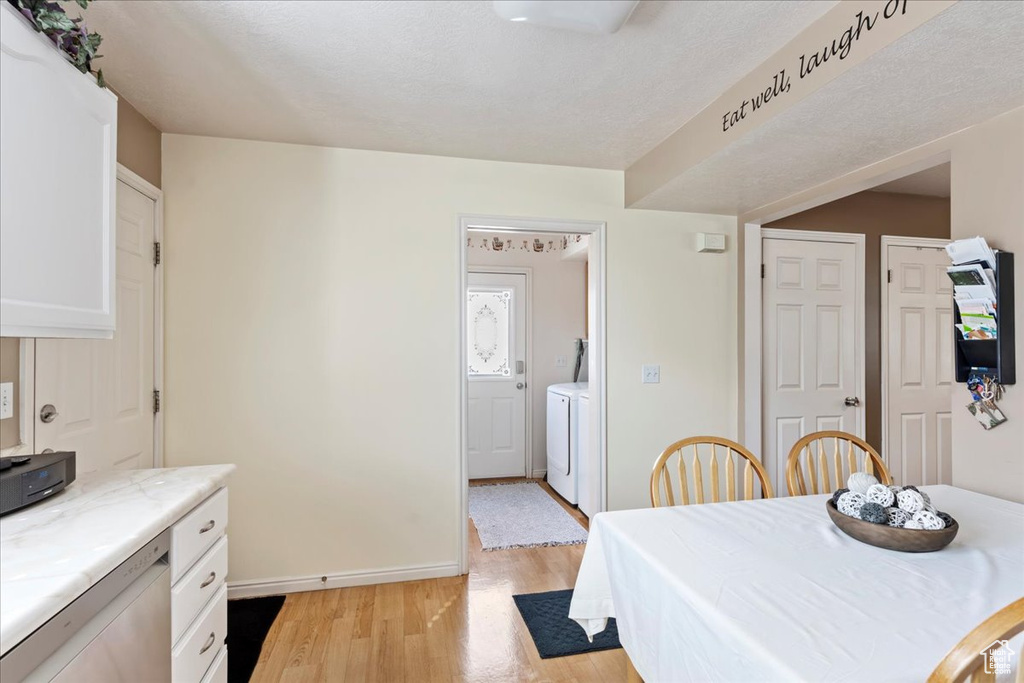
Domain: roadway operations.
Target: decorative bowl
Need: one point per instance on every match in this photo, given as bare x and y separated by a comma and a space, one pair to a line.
892, 538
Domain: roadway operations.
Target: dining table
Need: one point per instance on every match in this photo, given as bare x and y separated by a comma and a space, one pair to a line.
772, 590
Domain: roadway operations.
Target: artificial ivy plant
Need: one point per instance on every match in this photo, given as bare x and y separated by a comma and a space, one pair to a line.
69, 35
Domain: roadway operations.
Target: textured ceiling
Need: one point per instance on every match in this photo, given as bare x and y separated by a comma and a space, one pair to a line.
958, 69
447, 78
931, 182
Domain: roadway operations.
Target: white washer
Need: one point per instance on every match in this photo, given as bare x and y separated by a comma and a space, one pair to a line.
563, 438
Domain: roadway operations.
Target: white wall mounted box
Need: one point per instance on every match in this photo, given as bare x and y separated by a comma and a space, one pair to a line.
713, 242
58, 178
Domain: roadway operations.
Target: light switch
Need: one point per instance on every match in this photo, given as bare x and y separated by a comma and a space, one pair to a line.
561, 361
651, 374
6, 400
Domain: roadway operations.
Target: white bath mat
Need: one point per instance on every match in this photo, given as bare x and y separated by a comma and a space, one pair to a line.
521, 515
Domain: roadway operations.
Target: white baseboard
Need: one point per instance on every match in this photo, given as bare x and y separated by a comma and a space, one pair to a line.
298, 584
538, 474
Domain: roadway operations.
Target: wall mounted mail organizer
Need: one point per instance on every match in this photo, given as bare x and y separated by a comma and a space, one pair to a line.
983, 316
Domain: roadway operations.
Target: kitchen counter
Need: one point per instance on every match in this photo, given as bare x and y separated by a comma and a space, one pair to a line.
53, 552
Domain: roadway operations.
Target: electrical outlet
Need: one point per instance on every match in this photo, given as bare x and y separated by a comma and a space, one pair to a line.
6, 400
561, 361
651, 374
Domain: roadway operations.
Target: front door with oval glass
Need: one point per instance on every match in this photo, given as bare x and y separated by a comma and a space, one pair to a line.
496, 354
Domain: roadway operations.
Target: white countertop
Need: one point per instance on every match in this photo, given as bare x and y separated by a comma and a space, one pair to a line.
53, 552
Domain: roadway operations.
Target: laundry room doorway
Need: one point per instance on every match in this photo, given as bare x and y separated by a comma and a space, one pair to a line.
531, 300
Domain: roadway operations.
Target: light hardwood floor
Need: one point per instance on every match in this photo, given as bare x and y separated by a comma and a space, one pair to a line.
464, 628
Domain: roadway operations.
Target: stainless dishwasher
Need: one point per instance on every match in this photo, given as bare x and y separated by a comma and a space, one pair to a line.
118, 630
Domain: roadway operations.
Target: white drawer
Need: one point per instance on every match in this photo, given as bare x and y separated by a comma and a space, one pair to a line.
197, 531
191, 659
194, 590
218, 672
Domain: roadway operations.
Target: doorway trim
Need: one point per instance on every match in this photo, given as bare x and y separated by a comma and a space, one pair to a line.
753, 343
137, 182
597, 277
886, 242
528, 272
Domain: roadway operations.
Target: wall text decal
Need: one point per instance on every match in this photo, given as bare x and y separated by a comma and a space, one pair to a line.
840, 48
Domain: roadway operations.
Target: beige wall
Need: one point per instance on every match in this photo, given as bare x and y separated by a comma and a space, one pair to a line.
986, 199
138, 142
874, 214
10, 371
312, 300
558, 317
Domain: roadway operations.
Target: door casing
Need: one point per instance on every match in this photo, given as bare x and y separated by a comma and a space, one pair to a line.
597, 324
753, 350
886, 242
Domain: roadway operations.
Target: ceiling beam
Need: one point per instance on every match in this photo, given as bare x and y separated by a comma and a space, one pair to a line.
839, 40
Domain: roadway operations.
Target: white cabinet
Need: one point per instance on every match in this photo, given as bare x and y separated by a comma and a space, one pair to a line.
58, 166
199, 563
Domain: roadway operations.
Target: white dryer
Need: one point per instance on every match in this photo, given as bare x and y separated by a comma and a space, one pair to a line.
563, 438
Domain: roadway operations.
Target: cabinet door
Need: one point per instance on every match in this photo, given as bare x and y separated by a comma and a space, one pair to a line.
58, 165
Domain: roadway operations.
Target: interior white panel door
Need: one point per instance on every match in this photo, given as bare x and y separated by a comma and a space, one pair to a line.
496, 352
811, 363
920, 366
102, 390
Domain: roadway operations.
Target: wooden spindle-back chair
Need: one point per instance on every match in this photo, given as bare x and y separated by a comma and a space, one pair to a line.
965, 662
714, 448
817, 466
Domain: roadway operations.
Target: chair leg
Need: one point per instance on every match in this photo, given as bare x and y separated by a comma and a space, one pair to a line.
631, 673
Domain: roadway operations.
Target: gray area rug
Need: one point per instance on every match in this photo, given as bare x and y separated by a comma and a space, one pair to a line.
521, 515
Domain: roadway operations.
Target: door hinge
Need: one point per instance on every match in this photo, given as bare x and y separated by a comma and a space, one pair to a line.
156, 253
888, 275
762, 271
156, 401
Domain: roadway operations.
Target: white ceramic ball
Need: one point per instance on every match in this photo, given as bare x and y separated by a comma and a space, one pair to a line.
860, 482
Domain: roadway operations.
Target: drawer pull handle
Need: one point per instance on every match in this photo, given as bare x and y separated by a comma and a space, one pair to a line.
208, 526
209, 579
209, 644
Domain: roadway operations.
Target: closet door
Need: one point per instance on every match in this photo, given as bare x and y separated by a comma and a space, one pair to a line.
95, 397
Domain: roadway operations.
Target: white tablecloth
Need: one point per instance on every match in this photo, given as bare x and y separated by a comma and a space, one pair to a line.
772, 590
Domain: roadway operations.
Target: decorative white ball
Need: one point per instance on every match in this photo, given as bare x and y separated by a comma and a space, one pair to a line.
860, 482
850, 503
928, 520
897, 518
880, 493
910, 501
911, 524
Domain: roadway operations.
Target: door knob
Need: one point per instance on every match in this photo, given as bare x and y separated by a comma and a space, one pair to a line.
852, 401
48, 413
519, 385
